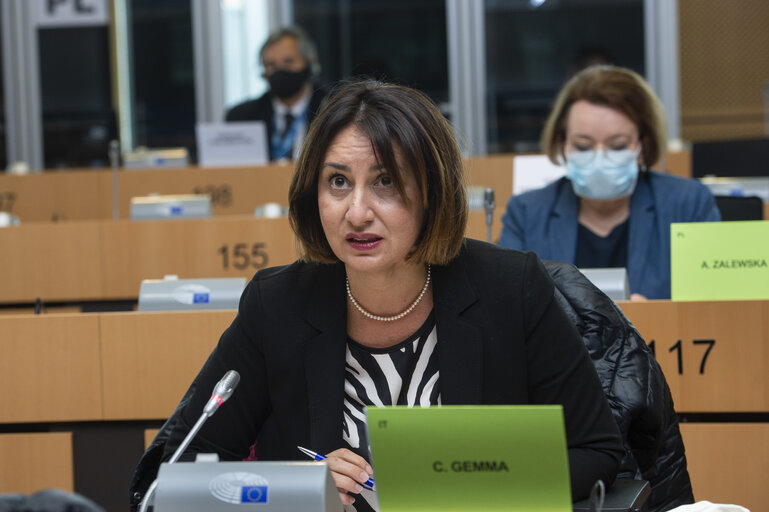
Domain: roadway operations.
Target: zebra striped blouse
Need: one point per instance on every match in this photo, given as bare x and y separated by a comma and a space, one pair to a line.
404, 374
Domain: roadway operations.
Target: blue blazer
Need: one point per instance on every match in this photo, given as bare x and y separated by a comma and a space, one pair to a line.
545, 221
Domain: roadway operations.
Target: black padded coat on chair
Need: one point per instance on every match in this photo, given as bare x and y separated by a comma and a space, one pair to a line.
634, 386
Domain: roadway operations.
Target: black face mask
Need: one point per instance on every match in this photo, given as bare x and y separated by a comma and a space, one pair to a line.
285, 84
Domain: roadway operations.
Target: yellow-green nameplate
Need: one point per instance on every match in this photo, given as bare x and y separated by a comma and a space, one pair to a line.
719, 260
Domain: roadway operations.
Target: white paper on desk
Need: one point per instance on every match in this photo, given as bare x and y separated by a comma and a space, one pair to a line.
232, 144
534, 171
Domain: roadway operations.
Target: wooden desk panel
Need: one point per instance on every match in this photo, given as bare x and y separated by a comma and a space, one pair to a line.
87, 194
149, 359
233, 190
50, 369
220, 247
679, 163
476, 227
495, 172
732, 377
66, 195
52, 261
149, 436
728, 463
32, 462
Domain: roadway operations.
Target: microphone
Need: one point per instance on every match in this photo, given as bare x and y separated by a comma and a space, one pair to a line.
488, 207
222, 391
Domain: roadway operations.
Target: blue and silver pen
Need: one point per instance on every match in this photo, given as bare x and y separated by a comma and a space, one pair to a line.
317, 456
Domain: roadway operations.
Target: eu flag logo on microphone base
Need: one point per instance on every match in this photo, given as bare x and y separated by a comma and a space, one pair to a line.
253, 494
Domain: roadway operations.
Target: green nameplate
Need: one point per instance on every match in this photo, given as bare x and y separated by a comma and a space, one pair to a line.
470, 458
719, 260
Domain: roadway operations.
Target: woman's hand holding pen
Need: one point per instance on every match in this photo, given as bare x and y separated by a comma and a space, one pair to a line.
349, 471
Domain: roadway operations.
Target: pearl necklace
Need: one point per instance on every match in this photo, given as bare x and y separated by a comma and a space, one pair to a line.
388, 318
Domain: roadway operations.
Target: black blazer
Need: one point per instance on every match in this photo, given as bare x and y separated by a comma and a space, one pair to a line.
502, 339
261, 109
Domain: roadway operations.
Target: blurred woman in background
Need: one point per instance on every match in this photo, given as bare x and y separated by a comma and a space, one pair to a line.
607, 126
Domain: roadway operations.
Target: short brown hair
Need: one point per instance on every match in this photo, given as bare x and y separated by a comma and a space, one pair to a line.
393, 117
614, 87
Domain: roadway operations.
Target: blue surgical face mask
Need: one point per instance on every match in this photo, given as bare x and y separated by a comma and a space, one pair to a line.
599, 174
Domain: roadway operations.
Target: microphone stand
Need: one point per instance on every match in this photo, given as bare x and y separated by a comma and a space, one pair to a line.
222, 391
488, 206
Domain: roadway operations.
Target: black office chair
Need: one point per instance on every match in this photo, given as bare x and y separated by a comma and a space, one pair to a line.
740, 207
635, 388
732, 158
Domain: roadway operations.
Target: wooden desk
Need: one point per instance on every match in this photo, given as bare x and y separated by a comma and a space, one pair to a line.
149, 359
233, 190
728, 463
713, 354
107, 260
87, 194
31, 462
136, 366
50, 368
495, 172
232, 246
679, 163
130, 356
57, 195
56, 262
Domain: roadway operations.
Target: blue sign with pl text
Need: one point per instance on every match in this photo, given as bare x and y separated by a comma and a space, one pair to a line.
253, 494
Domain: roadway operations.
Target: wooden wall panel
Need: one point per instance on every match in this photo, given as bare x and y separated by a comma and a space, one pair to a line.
50, 369
728, 463
151, 358
51, 261
33, 462
724, 57
732, 377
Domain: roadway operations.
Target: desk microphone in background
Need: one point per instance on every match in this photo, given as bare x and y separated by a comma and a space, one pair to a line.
114, 160
222, 391
488, 207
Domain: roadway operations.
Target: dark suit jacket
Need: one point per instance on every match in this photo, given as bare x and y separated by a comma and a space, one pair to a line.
502, 339
545, 221
261, 109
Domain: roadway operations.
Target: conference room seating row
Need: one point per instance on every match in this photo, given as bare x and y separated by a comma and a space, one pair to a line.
88, 194
127, 367
107, 260
111, 366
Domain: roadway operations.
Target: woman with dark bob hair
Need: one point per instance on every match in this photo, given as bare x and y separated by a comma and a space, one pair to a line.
389, 305
608, 127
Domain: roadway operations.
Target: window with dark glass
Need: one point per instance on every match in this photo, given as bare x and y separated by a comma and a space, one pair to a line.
399, 40
162, 65
3, 135
75, 87
534, 46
